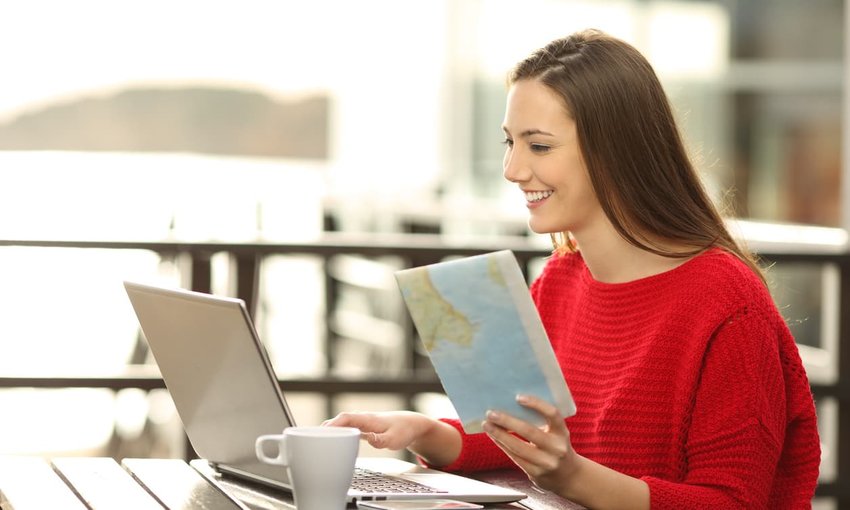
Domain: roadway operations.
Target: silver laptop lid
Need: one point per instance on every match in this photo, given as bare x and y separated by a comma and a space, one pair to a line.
225, 393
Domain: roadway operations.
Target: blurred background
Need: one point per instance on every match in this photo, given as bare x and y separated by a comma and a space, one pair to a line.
270, 121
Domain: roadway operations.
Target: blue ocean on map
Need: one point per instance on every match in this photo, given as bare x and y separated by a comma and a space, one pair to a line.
500, 346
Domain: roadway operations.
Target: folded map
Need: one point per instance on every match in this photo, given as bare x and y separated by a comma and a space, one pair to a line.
483, 334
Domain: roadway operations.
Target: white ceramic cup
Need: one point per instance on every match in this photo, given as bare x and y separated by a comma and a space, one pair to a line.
320, 462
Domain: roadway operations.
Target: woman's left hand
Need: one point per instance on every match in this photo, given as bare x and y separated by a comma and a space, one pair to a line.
545, 452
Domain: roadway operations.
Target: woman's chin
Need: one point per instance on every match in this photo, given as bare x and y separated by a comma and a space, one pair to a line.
541, 228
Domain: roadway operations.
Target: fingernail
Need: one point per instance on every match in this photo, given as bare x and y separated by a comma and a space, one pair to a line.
522, 399
493, 415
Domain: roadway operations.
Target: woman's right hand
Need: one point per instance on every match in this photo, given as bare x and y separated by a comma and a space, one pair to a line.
394, 430
436, 442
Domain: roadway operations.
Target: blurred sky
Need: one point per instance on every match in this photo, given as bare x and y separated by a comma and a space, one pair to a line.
399, 72
55, 48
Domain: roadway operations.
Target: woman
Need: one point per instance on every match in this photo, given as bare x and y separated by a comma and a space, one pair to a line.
689, 386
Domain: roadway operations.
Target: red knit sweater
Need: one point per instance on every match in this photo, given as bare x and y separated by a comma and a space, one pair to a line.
689, 380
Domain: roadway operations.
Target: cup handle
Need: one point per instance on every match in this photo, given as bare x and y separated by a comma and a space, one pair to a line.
280, 440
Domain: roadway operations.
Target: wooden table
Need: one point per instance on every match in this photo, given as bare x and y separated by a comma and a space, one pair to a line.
101, 483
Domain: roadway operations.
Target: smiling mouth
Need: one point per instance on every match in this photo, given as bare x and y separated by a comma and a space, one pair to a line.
537, 196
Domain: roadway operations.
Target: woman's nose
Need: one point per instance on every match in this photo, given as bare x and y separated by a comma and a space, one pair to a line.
514, 170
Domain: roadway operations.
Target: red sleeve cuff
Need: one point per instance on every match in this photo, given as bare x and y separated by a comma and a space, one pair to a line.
477, 453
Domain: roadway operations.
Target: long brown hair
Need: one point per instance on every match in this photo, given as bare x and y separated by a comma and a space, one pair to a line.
638, 165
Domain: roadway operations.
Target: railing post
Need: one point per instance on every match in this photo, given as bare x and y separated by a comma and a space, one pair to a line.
248, 279
843, 389
201, 271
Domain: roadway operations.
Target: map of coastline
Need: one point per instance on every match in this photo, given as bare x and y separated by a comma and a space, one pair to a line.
435, 318
466, 314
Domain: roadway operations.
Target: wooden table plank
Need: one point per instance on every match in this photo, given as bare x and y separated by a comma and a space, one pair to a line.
178, 486
252, 495
537, 499
103, 484
29, 483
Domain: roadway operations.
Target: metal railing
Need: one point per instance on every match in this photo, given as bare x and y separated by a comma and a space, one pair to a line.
413, 250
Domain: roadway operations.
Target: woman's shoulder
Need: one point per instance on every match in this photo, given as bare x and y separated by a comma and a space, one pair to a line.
560, 271
727, 280
562, 265
715, 279
713, 270
723, 271
722, 265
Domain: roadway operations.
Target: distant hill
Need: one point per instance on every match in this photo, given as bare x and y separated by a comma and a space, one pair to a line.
195, 119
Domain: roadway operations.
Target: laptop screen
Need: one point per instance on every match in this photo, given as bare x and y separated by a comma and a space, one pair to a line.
225, 393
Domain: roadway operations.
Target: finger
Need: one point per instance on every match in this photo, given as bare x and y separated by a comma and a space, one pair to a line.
388, 440
548, 441
375, 440
357, 420
340, 420
548, 411
524, 429
555, 424
512, 445
518, 447
527, 457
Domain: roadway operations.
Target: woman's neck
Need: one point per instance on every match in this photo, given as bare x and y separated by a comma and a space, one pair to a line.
612, 259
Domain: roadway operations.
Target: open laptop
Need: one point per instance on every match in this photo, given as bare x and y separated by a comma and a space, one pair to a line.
226, 394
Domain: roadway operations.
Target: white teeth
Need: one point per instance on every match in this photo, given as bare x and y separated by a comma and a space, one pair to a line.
536, 196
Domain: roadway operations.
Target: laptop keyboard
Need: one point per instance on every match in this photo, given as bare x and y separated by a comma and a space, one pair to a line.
371, 481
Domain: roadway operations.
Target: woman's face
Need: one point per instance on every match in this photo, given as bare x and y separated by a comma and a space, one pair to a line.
543, 157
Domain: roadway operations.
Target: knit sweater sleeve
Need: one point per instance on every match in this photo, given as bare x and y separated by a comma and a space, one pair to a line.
478, 452
738, 424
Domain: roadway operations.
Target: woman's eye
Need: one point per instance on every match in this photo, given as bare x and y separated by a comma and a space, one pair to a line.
536, 147
508, 142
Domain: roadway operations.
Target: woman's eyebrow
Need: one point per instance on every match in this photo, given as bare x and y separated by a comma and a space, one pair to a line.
529, 132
